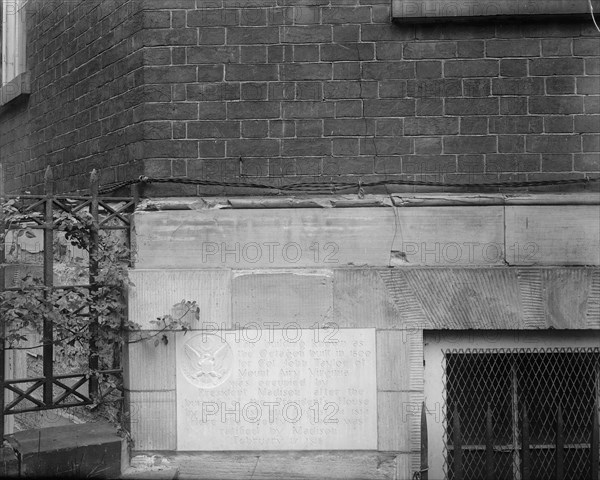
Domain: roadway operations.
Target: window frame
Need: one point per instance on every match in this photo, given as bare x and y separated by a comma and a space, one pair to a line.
422, 11
15, 78
436, 343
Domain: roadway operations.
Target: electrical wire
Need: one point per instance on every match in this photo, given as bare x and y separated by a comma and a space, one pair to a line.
593, 17
338, 187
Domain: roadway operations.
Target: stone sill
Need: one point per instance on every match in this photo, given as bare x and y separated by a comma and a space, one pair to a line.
352, 201
17, 88
422, 11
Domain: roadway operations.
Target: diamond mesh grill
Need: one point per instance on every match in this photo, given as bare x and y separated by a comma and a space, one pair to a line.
508, 382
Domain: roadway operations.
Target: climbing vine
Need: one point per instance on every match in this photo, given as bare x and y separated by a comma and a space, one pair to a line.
69, 306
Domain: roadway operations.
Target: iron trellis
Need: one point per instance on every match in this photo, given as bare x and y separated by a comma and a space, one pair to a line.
51, 391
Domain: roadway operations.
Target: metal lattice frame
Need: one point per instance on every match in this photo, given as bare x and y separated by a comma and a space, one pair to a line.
524, 414
60, 391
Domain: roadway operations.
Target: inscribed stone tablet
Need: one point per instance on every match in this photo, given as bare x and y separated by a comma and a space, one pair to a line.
277, 389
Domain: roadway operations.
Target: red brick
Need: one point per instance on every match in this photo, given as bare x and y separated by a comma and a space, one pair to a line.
554, 143
212, 129
254, 91
556, 66
518, 86
309, 128
205, 17
516, 124
431, 126
560, 85
309, 91
557, 162
512, 163
511, 143
587, 123
470, 49
388, 70
513, 67
346, 33
345, 147
345, 15
347, 51
386, 146
512, 48
425, 50
471, 68
586, 162
428, 69
306, 34
306, 53
558, 124
251, 54
588, 85
389, 108
252, 35
591, 143
212, 54
307, 109
249, 109
428, 145
306, 71
348, 108
586, 47
471, 106
211, 111
473, 126
513, 105
251, 72
348, 127
470, 144
556, 104
253, 147
306, 147
170, 74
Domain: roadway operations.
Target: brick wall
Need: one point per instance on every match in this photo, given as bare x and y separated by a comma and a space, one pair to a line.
79, 114
280, 91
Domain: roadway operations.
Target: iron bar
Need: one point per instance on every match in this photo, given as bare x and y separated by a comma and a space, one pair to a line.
560, 445
424, 445
489, 445
94, 268
525, 457
48, 328
457, 442
595, 443
2, 320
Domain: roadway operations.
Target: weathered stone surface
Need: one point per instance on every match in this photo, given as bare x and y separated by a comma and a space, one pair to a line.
90, 450
276, 299
155, 292
428, 10
270, 238
277, 390
153, 419
361, 299
150, 366
551, 235
443, 236
9, 463
354, 465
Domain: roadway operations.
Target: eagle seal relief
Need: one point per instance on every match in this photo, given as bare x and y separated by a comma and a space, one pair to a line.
207, 361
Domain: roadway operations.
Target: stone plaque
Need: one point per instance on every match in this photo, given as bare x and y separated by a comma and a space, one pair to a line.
277, 389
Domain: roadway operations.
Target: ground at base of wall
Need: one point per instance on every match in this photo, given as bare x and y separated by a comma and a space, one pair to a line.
154, 467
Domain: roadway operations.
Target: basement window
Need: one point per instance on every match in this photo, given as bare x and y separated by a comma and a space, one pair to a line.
15, 81
521, 413
418, 11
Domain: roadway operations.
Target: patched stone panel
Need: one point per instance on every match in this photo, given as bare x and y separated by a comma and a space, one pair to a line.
276, 299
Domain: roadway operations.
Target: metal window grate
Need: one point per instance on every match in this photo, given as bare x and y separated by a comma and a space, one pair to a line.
521, 413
